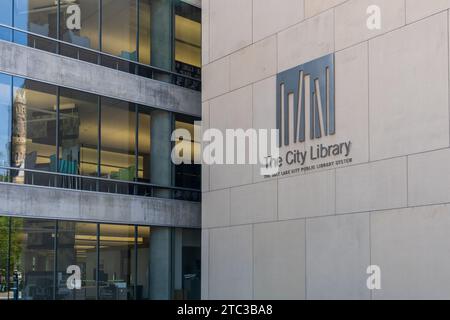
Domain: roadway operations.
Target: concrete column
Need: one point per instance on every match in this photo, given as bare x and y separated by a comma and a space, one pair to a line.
161, 35
160, 152
160, 267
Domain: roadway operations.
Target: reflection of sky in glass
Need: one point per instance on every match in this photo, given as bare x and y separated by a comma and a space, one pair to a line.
5, 118
21, 17
6, 12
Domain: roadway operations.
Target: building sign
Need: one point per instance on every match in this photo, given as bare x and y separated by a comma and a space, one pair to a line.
306, 119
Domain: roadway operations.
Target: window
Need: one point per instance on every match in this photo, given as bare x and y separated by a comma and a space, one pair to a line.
78, 116
116, 265
143, 260
115, 262
77, 246
34, 129
6, 19
188, 34
79, 22
36, 16
118, 133
6, 12
188, 175
5, 122
119, 35
144, 146
187, 259
32, 259
144, 31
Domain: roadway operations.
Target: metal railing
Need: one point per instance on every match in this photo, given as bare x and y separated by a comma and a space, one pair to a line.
95, 184
41, 42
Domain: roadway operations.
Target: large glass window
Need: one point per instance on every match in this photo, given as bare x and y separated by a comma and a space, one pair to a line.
78, 113
188, 175
188, 34
187, 264
118, 133
5, 122
37, 16
80, 22
77, 246
32, 259
117, 262
143, 261
144, 138
144, 31
6, 12
119, 35
34, 129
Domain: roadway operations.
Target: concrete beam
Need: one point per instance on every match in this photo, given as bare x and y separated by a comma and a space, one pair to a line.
62, 204
71, 73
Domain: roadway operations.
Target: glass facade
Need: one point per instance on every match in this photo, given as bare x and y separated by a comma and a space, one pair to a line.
49, 129
162, 33
68, 260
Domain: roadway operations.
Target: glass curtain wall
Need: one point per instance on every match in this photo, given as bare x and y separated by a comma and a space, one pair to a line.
44, 128
163, 33
112, 262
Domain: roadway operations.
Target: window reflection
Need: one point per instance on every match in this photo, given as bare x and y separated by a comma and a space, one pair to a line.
5, 122
34, 129
119, 35
78, 112
37, 16
116, 265
144, 31
32, 259
80, 22
77, 246
6, 12
118, 132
